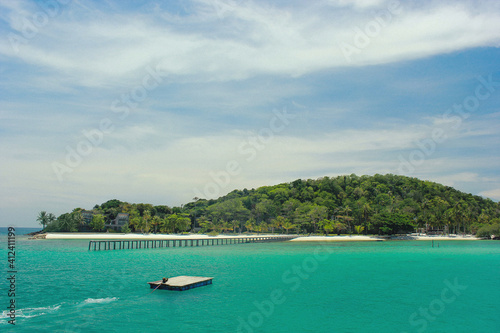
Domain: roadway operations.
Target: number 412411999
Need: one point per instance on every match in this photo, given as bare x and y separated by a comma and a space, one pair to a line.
11, 245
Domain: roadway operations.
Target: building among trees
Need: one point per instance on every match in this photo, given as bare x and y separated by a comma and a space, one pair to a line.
120, 220
87, 216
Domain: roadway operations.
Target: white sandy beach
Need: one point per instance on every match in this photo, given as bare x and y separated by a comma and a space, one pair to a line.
359, 238
356, 238
450, 237
98, 236
353, 238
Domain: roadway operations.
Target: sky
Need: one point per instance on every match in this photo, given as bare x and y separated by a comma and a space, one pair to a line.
164, 101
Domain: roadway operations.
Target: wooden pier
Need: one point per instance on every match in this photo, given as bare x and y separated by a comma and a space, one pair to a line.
98, 245
180, 283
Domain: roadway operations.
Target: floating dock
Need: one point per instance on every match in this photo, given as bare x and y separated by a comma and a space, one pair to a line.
180, 283
97, 245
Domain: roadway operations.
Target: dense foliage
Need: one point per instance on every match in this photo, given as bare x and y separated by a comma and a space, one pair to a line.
379, 204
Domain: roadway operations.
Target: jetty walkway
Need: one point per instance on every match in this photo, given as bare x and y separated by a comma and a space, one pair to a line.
128, 244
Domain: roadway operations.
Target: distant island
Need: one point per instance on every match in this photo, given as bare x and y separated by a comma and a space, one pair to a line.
363, 205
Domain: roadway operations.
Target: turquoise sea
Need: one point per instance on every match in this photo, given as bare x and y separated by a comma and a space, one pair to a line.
394, 286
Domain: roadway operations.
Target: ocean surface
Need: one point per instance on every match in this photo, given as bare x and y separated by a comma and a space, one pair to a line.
19, 231
395, 286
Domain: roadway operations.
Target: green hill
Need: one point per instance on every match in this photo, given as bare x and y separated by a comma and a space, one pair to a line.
379, 204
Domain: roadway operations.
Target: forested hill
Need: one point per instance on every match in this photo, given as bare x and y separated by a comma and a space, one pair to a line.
345, 202
376, 204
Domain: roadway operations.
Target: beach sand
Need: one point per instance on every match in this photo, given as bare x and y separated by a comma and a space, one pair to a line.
97, 236
359, 238
450, 237
356, 238
353, 238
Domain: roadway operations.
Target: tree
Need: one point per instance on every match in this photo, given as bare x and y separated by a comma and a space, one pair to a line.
339, 227
155, 223
489, 231
250, 224
183, 222
366, 209
345, 217
261, 227
392, 223
359, 229
287, 225
317, 214
68, 222
167, 225
234, 225
45, 219
97, 223
229, 210
204, 223
144, 221
135, 223
327, 226
265, 210
125, 229
277, 222
347, 200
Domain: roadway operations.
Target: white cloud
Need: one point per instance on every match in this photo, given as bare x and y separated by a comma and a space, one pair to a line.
65, 78
105, 49
492, 194
362, 4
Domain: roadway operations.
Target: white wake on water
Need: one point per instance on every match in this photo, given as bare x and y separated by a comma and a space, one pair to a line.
32, 312
100, 300
36, 312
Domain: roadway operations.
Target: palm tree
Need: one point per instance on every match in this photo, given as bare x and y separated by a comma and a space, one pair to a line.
226, 226
359, 229
261, 227
51, 218
286, 224
204, 223
250, 224
146, 216
366, 212
274, 223
155, 222
327, 226
43, 218
234, 225
425, 205
457, 215
346, 210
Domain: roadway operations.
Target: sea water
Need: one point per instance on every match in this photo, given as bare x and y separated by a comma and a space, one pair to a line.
393, 286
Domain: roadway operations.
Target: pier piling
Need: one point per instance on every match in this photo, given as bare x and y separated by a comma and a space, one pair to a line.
106, 245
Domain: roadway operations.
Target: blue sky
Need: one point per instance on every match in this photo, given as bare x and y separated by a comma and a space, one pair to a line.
159, 102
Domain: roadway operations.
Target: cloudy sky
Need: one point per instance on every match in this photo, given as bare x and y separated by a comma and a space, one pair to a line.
164, 101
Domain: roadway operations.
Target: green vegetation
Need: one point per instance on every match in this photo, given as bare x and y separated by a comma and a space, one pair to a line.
97, 223
490, 230
44, 219
125, 228
379, 204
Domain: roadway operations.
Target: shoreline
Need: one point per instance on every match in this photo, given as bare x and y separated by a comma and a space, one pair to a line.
111, 236
359, 238
352, 238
